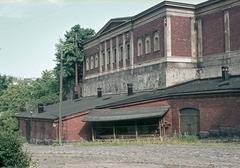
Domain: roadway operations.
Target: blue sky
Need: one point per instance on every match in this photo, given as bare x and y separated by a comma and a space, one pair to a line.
29, 29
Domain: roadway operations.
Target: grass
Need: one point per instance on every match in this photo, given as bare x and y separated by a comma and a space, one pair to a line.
176, 139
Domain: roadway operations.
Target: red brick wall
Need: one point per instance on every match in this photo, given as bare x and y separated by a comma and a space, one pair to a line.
234, 15
213, 33
40, 129
74, 129
215, 112
149, 29
181, 36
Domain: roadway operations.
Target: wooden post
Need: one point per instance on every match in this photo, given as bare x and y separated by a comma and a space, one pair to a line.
114, 131
160, 128
93, 136
136, 130
163, 127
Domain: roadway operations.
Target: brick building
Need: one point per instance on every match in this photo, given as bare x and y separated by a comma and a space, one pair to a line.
165, 45
162, 71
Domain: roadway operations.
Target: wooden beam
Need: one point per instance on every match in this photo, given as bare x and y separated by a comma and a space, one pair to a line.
160, 128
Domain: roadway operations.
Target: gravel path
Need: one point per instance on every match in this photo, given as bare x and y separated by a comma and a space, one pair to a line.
136, 156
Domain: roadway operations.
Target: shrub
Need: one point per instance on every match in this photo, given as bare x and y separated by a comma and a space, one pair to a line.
11, 153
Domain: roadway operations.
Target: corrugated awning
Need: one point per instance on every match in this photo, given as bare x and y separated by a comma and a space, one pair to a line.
103, 115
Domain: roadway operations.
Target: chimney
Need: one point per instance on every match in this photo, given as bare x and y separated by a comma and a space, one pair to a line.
225, 73
40, 108
130, 89
99, 92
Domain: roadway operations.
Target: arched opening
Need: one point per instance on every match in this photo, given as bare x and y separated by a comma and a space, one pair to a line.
190, 121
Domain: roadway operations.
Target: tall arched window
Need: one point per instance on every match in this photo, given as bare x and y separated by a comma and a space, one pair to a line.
92, 63
87, 64
147, 45
96, 61
139, 48
156, 42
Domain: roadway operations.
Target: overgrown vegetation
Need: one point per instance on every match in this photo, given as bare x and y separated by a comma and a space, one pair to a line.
11, 152
18, 97
25, 95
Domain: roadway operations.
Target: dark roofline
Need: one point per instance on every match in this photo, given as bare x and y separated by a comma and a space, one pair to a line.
179, 94
144, 13
207, 3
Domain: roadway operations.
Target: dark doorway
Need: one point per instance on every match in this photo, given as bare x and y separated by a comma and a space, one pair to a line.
28, 130
190, 121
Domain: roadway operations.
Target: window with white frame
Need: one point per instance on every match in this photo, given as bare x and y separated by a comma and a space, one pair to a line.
147, 45
139, 47
156, 42
108, 56
92, 63
120, 53
103, 57
128, 51
114, 55
96, 60
87, 64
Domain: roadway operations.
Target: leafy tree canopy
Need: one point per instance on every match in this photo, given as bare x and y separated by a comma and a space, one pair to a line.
5, 81
71, 48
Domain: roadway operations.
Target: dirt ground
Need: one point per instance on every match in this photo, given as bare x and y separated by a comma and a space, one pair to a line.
136, 156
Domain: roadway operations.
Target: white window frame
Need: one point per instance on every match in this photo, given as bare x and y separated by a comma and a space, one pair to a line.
156, 44
96, 61
87, 64
147, 45
139, 47
92, 63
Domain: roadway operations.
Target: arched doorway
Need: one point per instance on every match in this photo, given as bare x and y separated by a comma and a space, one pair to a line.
190, 121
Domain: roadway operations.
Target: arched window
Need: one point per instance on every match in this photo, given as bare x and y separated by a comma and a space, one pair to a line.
92, 63
147, 45
156, 42
139, 47
96, 61
87, 64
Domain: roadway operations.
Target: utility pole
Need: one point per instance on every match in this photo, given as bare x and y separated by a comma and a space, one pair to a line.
60, 101
77, 89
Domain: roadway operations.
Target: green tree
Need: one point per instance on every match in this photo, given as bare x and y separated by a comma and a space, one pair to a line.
44, 90
71, 48
5, 81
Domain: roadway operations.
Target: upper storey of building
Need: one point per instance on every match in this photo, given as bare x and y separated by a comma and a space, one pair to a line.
168, 31
167, 44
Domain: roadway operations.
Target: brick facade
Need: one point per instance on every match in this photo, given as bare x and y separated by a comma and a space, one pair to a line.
181, 36
213, 33
234, 15
216, 112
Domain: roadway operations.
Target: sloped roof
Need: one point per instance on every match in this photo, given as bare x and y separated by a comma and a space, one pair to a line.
103, 115
195, 87
72, 107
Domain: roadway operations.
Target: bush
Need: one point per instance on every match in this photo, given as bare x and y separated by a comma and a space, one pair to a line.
11, 153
